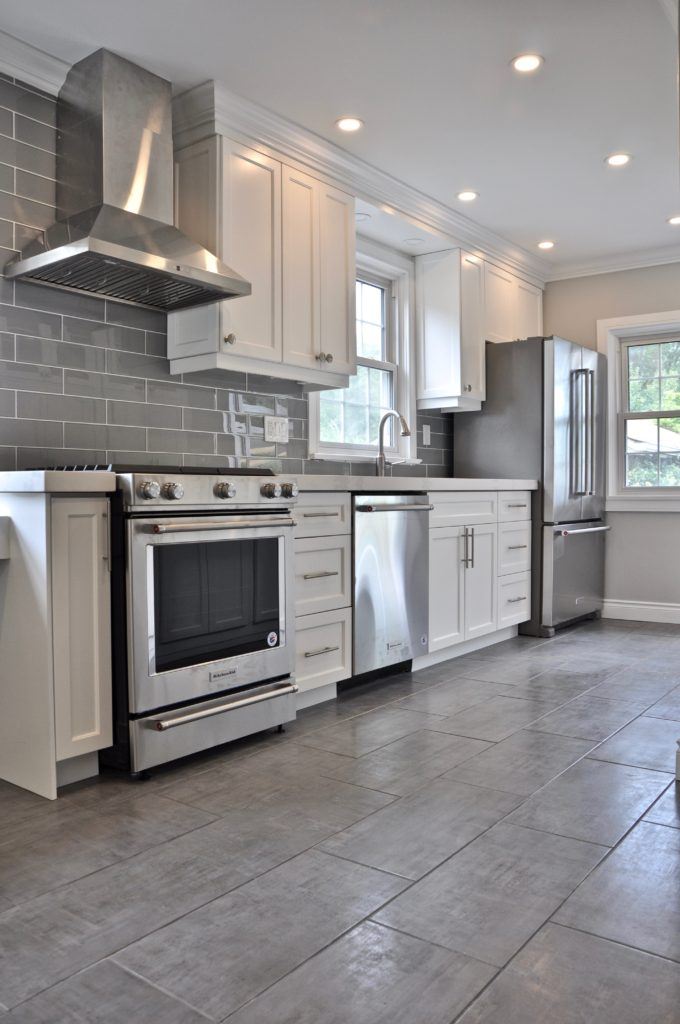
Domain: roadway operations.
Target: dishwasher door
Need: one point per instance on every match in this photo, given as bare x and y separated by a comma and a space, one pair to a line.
391, 564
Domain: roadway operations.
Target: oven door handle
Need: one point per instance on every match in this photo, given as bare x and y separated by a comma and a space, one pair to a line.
162, 724
222, 524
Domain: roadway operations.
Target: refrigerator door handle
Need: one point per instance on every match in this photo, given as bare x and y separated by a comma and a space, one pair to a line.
577, 533
591, 431
578, 430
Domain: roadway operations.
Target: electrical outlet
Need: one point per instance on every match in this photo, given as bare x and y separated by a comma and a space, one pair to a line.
426, 434
276, 428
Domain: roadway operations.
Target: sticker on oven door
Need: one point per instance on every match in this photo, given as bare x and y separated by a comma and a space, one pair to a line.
272, 639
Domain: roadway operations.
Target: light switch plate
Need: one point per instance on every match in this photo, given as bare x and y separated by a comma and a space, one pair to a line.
276, 428
426, 434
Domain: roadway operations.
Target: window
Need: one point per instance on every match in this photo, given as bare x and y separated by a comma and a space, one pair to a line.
650, 417
351, 416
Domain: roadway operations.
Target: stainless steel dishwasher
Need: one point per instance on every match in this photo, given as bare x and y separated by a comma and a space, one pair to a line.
391, 562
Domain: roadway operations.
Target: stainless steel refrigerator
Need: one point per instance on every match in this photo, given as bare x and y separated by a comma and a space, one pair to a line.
544, 418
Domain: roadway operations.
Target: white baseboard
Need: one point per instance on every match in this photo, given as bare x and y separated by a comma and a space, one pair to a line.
465, 648
643, 611
75, 769
317, 695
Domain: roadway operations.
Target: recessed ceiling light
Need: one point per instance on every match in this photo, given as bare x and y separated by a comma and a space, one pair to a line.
467, 195
526, 62
349, 124
547, 244
675, 219
618, 159
361, 217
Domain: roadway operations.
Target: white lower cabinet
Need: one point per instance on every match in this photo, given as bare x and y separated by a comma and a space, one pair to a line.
514, 599
323, 648
480, 581
463, 584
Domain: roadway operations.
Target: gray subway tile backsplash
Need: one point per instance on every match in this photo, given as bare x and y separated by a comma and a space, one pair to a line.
84, 380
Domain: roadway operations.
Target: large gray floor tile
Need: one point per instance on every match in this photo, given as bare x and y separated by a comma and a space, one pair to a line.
565, 977
50, 937
633, 896
667, 707
418, 832
560, 684
646, 742
666, 810
407, 764
637, 683
594, 800
522, 763
224, 954
506, 672
588, 718
452, 696
493, 895
368, 732
104, 994
373, 975
495, 719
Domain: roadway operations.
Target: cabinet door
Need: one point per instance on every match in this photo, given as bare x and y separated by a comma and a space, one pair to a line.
472, 355
251, 244
438, 301
481, 584
337, 275
300, 267
529, 310
81, 625
446, 588
500, 292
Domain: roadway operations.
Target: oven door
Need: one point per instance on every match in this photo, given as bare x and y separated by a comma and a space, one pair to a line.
210, 605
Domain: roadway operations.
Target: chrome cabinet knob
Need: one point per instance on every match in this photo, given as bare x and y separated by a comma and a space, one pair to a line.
270, 490
230, 338
321, 357
290, 490
173, 491
149, 489
329, 357
224, 490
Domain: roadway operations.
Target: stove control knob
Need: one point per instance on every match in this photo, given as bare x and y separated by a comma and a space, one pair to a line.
173, 491
270, 490
224, 490
289, 490
149, 489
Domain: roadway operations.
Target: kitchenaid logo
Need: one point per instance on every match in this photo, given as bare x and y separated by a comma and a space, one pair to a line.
222, 673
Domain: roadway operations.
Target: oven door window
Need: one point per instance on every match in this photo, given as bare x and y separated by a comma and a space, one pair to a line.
215, 600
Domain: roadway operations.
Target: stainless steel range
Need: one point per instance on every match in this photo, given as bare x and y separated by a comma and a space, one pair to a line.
203, 620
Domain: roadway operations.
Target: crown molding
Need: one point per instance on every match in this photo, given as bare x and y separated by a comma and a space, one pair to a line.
31, 65
211, 109
635, 260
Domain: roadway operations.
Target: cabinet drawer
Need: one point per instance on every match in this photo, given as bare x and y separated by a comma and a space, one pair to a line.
514, 548
322, 514
464, 508
514, 505
323, 648
514, 599
322, 574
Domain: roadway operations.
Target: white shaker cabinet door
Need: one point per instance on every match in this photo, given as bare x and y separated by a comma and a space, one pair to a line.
500, 298
301, 305
446, 588
481, 583
529, 310
81, 625
337, 275
472, 352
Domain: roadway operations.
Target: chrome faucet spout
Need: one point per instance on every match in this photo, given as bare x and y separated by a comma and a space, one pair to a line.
381, 462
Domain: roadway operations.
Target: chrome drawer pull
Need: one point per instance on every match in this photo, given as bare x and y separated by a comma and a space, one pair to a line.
162, 724
322, 650
514, 600
318, 515
522, 505
319, 575
517, 547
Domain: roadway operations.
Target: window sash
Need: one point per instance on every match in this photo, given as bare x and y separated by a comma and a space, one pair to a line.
625, 414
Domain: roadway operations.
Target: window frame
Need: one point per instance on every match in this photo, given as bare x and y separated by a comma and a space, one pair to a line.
394, 272
625, 414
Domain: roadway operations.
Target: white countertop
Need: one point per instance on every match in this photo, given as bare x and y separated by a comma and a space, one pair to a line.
54, 481
373, 484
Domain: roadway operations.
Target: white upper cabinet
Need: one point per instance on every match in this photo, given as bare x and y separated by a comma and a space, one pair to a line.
514, 308
289, 234
450, 330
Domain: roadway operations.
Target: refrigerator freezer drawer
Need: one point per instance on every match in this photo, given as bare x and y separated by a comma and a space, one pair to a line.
573, 571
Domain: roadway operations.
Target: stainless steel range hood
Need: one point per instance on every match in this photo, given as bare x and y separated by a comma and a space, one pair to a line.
114, 233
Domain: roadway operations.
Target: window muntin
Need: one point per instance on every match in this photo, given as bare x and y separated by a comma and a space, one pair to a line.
651, 413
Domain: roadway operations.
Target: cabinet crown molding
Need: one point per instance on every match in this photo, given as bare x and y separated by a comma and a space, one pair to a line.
210, 109
31, 65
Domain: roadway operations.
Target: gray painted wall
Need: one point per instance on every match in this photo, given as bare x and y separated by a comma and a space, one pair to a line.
84, 380
643, 548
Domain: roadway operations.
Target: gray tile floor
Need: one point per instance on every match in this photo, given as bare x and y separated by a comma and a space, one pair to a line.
494, 840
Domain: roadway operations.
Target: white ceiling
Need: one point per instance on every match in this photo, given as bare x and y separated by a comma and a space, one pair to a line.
442, 108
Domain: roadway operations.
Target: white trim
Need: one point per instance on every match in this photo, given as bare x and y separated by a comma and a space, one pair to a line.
636, 260
642, 611
610, 333
468, 646
31, 65
210, 109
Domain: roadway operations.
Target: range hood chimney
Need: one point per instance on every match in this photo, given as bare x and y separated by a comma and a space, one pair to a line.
114, 232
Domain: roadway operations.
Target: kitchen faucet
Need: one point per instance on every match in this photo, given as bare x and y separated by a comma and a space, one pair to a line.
380, 462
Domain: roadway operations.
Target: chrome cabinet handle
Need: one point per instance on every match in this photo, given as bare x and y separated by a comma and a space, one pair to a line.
514, 600
318, 515
229, 339
472, 555
465, 559
322, 650
319, 575
162, 724
517, 547
521, 505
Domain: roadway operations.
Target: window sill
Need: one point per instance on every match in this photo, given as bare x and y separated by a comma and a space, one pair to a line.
390, 458
643, 503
